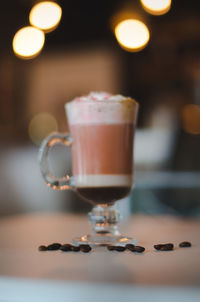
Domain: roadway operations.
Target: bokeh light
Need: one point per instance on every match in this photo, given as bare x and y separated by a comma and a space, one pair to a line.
191, 118
45, 15
156, 7
40, 126
28, 42
132, 34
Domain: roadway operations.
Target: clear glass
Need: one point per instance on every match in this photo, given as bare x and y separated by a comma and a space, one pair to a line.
101, 137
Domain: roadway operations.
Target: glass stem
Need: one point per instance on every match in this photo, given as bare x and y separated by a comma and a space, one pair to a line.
104, 220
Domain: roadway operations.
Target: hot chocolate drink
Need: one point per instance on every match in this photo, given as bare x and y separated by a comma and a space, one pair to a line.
101, 136
102, 129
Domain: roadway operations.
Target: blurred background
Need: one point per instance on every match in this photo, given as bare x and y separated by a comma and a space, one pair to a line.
86, 46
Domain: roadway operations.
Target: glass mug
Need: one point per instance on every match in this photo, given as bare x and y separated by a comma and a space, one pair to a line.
101, 139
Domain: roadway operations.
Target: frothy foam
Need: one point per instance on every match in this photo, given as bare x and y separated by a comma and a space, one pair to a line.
103, 180
94, 96
101, 108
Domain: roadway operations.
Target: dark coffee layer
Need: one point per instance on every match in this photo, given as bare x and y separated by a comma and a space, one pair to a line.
103, 195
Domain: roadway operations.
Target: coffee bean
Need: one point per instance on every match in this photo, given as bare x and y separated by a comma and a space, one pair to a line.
66, 247
42, 248
85, 248
185, 244
130, 247
84, 245
158, 246
139, 249
120, 248
75, 248
167, 247
53, 246
111, 247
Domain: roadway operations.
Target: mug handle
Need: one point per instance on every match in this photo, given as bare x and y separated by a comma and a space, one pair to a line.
56, 183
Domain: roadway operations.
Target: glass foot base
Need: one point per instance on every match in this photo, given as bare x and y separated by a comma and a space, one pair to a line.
103, 240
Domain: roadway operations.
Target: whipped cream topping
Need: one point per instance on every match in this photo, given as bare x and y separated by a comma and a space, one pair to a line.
101, 108
95, 96
101, 96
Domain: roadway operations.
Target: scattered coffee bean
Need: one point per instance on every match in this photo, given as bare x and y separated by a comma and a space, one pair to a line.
164, 247
167, 247
66, 247
120, 248
75, 248
158, 246
111, 247
85, 248
53, 246
130, 247
185, 244
42, 248
139, 249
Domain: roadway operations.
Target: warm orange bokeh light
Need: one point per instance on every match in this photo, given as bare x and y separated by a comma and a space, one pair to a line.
132, 34
28, 42
45, 15
191, 118
40, 126
156, 7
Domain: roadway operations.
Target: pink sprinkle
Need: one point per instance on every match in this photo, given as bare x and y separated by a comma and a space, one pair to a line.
93, 98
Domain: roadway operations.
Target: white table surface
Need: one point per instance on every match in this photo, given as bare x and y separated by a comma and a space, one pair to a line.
26, 273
